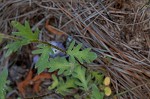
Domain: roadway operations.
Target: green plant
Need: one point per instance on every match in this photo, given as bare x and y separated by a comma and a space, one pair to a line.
3, 81
76, 75
96, 94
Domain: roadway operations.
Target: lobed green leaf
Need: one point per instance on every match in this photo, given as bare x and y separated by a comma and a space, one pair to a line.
66, 87
96, 94
62, 65
43, 61
26, 34
80, 74
98, 78
55, 82
14, 46
84, 55
25, 31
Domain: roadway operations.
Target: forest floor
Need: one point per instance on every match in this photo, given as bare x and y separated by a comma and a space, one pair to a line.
118, 29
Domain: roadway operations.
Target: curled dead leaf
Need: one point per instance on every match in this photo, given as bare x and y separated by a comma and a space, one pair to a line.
54, 30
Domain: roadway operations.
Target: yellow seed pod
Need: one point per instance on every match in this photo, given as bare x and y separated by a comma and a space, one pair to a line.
106, 81
107, 91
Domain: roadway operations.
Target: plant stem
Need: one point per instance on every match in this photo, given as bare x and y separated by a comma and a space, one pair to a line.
51, 45
33, 41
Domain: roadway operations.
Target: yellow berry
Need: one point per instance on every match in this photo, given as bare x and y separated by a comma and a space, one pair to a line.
107, 91
107, 81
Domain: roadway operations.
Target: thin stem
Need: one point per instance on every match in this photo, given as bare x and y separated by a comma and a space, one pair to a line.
33, 41
51, 45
